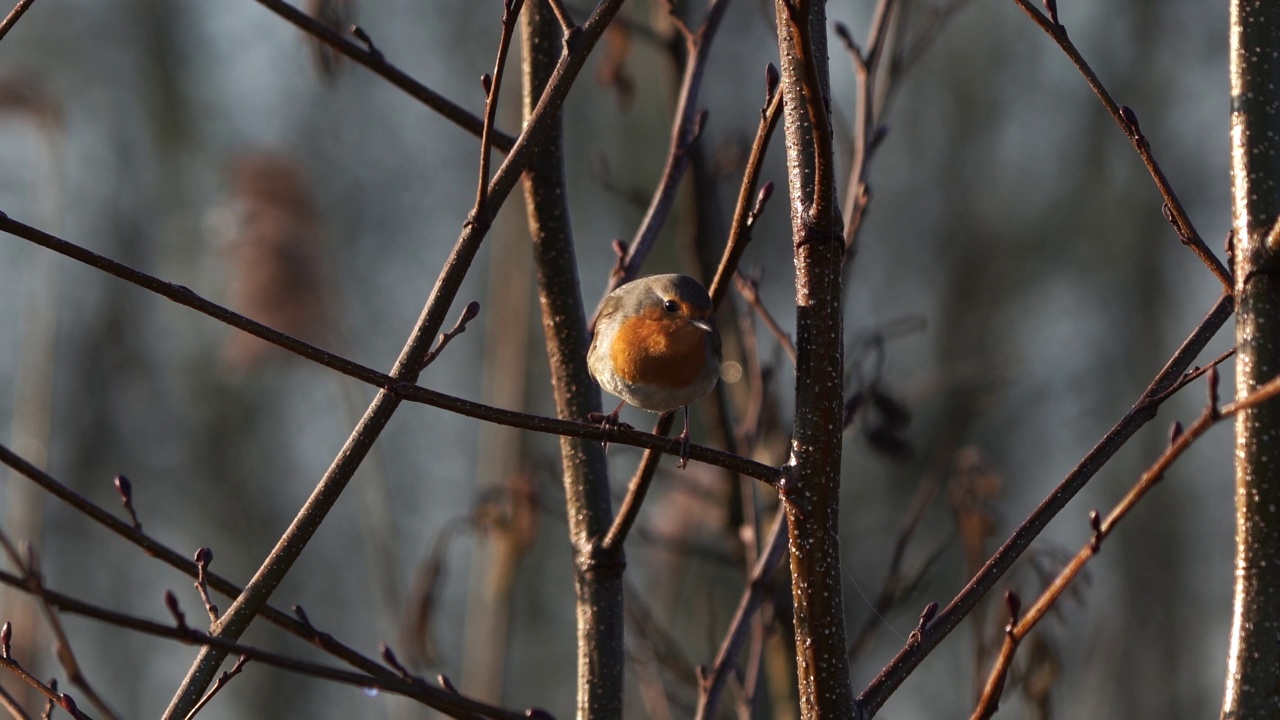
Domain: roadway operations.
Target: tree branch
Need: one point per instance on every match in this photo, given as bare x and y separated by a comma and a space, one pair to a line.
367, 375
1128, 122
330, 487
810, 486
685, 130
14, 16
385, 679
1102, 528
372, 59
930, 634
1253, 663
588, 509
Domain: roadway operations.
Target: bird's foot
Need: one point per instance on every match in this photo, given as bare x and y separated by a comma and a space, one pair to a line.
683, 439
608, 423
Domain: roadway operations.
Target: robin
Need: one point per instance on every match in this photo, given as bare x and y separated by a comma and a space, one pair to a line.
656, 347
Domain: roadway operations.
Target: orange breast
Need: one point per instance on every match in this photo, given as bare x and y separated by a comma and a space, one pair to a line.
659, 351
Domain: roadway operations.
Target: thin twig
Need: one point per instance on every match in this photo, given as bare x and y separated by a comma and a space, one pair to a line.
1194, 374
1128, 122
178, 561
11, 705
685, 130
386, 680
990, 699
330, 487
30, 569
713, 681
218, 684
1180, 442
893, 584
184, 296
912, 53
747, 288
298, 626
1143, 411
8, 662
469, 313
750, 203
637, 488
14, 16
55, 698
866, 136
124, 488
562, 16
510, 14
372, 59
412, 393
204, 556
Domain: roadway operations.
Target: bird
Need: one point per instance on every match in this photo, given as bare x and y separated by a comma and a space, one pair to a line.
656, 347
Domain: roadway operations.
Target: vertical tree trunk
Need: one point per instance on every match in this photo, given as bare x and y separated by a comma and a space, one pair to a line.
597, 583
1253, 672
811, 485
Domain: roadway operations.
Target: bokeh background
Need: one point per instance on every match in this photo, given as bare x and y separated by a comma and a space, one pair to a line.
1011, 220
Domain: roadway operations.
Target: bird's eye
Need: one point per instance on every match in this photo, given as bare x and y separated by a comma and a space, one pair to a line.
671, 306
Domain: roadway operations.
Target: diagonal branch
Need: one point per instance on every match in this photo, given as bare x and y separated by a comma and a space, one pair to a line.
713, 681
14, 16
1102, 528
34, 580
178, 561
510, 14
686, 129
353, 452
372, 59
385, 679
922, 642
1128, 121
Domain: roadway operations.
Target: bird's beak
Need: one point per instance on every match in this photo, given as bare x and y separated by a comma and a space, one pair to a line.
702, 324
